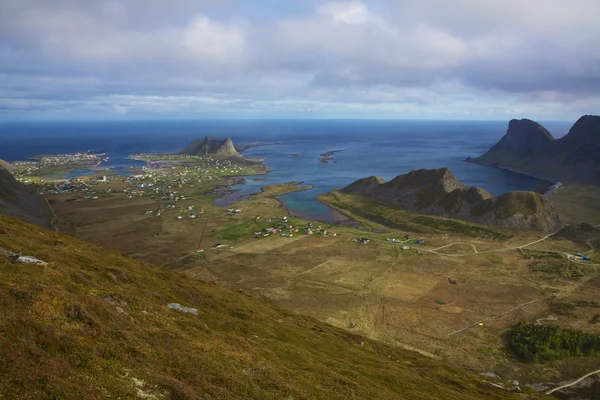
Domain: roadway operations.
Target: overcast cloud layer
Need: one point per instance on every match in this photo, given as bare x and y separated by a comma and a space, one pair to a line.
467, 59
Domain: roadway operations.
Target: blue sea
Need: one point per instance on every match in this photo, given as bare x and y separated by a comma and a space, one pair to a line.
385, 148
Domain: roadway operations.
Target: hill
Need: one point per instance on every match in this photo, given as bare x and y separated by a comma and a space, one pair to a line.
19, 200
528, 147
438, 192
6, 165
91, 323
211, 146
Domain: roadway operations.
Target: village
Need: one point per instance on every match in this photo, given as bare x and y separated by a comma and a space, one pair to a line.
28, 171
410, 287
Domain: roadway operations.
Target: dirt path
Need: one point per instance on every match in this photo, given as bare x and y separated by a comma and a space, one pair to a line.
316, 266
455, 243
573, 383
54, 216
434, 251
494, 317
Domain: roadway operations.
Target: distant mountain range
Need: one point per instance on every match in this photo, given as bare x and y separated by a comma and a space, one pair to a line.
438, 192
528, 147
19, 200
211, 146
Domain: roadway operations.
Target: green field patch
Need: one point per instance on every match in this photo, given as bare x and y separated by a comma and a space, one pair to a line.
243, 230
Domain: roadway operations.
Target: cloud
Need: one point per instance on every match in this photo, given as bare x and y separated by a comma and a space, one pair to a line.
431, 58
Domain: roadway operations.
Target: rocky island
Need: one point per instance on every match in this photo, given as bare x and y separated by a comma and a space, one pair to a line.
211, 146
529, 148
328, 157
438, 192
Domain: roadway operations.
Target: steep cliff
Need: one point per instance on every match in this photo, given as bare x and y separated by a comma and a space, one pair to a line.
19, 200
438, 192
529, 148
211, 146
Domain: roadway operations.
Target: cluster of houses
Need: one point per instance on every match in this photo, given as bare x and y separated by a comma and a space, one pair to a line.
290, 230
405, 245
30, 168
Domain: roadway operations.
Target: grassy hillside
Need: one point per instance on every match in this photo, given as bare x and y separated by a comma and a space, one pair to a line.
92, 323
395, 217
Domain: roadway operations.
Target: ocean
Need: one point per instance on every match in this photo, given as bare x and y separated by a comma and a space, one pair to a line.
385, 148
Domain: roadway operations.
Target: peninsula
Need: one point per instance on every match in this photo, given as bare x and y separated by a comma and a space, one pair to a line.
438, 192
529, 148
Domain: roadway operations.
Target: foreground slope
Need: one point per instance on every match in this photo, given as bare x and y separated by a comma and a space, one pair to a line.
529, 147
438, 192
211, 146
92, 323
19, 200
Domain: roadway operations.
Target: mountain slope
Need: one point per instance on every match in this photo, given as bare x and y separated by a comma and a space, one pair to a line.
5, 165
211, 146
438, 192
92, 323
528, 147
19, 200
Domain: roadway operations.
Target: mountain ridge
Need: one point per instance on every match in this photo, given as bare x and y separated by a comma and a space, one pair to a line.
529, 148
438, 192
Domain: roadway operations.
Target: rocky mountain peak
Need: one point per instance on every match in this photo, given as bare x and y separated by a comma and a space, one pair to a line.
438, 192
528, 147
211, 146
524, 137
586, 131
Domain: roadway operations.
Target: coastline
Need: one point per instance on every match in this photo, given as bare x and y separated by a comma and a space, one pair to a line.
552, 185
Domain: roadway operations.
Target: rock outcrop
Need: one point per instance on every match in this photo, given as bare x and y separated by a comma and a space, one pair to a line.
528, 147
438, 192
211, 146
19, 200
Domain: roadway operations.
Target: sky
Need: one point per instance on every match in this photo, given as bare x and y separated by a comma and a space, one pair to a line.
401, 59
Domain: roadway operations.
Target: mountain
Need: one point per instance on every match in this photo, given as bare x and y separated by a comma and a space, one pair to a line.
6, 166
19, 200
211, 146
438, 192
90, 323
528, 147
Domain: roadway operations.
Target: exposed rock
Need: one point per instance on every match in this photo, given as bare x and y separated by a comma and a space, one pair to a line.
211, 146
179, 307
438, 192
19, 200
528, 147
